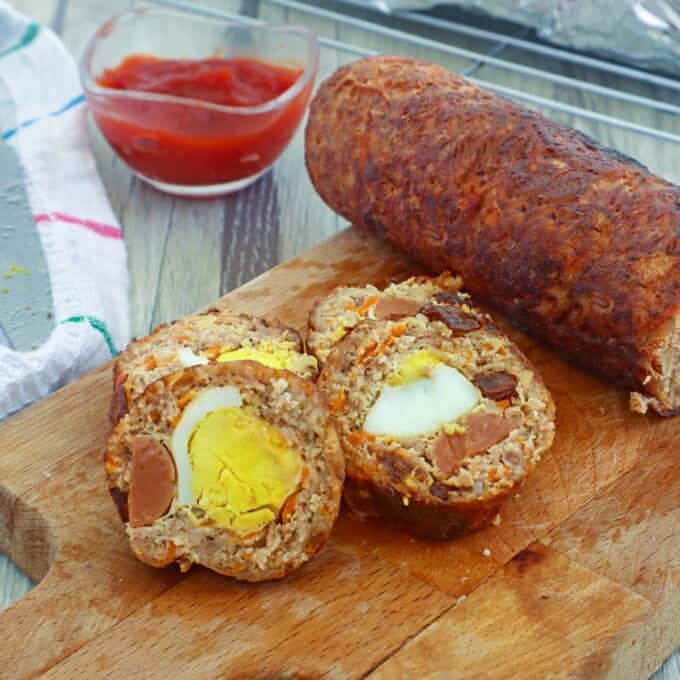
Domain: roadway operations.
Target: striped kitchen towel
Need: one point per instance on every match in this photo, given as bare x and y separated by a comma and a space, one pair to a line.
63, 271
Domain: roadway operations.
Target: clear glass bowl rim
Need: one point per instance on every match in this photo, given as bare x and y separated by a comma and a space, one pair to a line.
91, 87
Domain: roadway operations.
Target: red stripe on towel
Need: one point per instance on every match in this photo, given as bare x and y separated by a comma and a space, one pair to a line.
97, 227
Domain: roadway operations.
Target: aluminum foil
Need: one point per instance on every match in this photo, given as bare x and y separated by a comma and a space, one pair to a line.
645, 33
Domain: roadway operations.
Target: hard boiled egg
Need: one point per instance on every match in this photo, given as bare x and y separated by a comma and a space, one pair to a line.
201, 405
274, 354
233, 464
188, 357
422, 405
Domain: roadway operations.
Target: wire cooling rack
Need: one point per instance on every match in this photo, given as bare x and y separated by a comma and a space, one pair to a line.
549, 78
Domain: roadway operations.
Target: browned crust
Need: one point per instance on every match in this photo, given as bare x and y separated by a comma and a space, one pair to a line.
119, 401
431, 519
313, 314
572, 241
120, 500
120, 398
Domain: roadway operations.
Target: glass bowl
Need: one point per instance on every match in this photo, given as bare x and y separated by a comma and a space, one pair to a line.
187, 146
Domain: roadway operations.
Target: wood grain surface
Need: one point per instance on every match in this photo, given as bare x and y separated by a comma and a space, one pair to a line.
183, 254
582, 570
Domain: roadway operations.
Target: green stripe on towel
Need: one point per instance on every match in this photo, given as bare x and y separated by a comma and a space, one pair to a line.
29, 34
98, 325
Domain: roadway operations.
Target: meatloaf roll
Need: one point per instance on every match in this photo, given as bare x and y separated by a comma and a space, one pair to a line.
235, 466
440, 417
572, 241
335, 315
199, 339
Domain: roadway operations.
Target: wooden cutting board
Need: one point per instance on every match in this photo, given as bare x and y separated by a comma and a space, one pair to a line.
581, 579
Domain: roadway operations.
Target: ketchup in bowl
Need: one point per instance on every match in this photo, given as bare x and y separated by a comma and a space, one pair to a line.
238, 81
178, 143
198, 126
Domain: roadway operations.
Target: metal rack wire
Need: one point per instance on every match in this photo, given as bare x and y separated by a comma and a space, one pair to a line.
456, 27
492, 58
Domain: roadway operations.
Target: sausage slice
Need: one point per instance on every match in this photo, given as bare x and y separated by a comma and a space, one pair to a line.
389, 306
152, 480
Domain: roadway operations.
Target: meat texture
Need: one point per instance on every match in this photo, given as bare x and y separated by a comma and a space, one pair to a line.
574, 242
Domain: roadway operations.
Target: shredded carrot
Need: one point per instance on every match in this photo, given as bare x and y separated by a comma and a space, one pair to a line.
338, 402
150, 363
384, 345
289, 508
373, 349
171, 552
503, 403
175, 420
493, 475
304, 476
179, 379
367, 304
364, 306
367, 351
182, 338
212, 353
355, 437
358, 436
506, 471
185, 399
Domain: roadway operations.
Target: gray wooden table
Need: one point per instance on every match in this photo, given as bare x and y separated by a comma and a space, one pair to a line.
183, 254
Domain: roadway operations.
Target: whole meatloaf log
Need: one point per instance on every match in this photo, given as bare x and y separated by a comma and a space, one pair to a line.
572, 241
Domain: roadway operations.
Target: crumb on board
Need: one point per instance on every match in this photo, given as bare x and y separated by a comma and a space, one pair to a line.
16, 269
486, 552
461, 599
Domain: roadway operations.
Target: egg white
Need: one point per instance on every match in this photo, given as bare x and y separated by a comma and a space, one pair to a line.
205, 402
422, 406
188, 358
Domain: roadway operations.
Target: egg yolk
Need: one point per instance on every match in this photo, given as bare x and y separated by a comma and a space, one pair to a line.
282, 355
415, 367
243, 469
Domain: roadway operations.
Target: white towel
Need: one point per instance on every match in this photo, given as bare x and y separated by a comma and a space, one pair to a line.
42, 118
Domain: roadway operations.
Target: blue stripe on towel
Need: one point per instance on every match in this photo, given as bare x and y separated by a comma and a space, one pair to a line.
26, 123
28, 37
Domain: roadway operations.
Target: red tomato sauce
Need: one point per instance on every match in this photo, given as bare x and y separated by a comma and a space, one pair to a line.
186, 143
